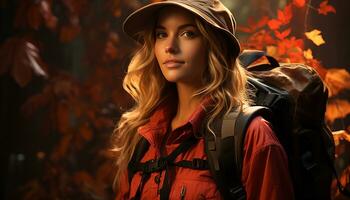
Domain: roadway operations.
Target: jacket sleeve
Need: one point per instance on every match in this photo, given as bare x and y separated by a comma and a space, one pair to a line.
265, 173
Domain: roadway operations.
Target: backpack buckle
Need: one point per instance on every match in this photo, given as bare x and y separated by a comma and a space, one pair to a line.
155, 165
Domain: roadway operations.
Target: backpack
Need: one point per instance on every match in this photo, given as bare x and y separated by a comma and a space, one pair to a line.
293, 98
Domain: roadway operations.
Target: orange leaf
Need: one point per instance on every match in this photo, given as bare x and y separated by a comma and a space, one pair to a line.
274, 24
325, 8
337, 109
308, 54
299, 3
254, 25
315, 36
286, 15
337, 80
283, 35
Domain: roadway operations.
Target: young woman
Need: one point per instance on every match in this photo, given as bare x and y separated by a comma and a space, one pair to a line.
183, 77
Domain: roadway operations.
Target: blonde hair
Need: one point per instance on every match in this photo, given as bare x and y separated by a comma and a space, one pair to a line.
226, 85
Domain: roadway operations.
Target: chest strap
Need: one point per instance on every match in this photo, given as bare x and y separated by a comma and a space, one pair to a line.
164, 163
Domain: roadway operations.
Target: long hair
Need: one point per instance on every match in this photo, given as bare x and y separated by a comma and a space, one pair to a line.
224, 78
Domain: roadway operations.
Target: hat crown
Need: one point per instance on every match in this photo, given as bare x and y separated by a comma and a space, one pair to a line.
215, 11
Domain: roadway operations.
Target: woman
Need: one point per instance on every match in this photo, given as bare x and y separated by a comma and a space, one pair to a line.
184, 76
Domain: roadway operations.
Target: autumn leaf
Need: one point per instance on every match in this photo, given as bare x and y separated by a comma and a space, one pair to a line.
285, 15
253, 26
283, 18
308, 54
325, 8
299, 3
337, 109
283, 35
271, 50
337, 80
21, 58
316, 37
274, 24
20, 70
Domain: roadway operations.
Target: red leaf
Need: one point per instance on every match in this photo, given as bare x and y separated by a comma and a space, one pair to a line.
325, 8
286, 15
299, 3
283, 35
244, 29
253, 26
274, 24
283, 17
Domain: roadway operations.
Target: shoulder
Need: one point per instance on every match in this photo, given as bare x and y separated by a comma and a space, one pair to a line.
260, 135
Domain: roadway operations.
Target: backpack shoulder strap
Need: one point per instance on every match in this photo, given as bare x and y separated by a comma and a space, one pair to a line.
242, 123
225, 150
140, 150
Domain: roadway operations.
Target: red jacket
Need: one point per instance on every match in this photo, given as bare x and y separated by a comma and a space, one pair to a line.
265, 167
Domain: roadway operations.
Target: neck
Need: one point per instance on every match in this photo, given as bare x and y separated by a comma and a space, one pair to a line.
186, 104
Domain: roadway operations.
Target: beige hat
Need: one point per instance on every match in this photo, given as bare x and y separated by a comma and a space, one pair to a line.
211, 11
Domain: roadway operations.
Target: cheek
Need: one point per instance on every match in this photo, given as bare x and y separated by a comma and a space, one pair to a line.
157, 52
197, 55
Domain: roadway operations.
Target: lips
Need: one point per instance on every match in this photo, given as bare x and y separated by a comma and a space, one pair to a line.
173, 63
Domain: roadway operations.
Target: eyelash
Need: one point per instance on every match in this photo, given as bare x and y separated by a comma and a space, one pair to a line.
192, 34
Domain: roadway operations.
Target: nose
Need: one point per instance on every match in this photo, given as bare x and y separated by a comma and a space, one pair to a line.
172, 45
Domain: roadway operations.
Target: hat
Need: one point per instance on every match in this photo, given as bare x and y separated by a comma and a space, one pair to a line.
212, 12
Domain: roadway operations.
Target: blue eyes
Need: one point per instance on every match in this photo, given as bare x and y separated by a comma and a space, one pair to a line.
186, 34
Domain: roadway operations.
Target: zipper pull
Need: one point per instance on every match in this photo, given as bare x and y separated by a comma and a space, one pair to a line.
183, 192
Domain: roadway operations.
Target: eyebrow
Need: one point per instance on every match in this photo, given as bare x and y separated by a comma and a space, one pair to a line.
180, 27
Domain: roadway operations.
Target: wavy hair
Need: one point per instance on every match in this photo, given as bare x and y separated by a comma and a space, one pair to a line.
225, 82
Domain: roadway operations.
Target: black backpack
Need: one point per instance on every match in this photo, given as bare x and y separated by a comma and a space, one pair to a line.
293, 98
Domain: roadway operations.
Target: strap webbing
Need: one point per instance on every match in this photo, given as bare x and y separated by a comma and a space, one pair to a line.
164, 163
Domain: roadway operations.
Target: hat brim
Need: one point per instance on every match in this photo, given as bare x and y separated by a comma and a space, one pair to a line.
145, 17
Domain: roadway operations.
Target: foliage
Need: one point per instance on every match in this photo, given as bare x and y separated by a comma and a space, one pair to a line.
80, 102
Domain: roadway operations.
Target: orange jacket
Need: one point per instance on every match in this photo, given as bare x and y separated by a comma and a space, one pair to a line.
265, 167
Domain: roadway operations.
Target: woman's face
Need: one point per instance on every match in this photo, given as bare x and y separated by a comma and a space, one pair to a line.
179, 47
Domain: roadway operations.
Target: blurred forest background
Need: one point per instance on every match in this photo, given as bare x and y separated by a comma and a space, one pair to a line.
62, 63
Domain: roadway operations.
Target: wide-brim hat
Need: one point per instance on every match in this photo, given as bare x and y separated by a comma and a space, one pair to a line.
212, 12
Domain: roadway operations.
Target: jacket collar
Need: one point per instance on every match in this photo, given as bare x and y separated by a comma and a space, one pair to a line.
159, 123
